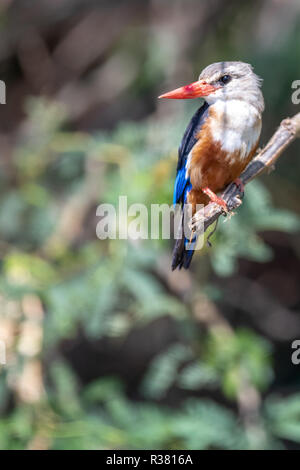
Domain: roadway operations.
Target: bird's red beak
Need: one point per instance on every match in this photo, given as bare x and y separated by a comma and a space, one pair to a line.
194, 90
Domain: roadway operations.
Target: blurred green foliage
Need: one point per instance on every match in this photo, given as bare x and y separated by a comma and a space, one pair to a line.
107, 288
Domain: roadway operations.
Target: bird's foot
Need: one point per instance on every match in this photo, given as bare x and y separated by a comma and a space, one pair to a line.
240, 185
214, 198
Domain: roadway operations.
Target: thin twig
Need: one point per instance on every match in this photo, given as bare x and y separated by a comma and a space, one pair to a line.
288, 131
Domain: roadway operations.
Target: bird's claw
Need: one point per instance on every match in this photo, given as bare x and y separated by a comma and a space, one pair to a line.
216, 199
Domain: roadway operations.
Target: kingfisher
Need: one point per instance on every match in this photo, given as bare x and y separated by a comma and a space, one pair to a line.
219, 142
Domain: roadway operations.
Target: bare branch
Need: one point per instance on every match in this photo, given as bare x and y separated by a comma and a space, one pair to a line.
288, 131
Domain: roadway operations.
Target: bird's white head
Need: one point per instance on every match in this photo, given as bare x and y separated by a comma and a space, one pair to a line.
224, 81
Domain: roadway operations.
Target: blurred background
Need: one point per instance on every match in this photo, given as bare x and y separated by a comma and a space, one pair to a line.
106, 347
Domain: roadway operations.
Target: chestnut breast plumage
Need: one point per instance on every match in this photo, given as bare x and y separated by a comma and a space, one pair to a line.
225, 144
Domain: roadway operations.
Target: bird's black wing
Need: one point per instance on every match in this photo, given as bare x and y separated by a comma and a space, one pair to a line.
188, 141
182, 254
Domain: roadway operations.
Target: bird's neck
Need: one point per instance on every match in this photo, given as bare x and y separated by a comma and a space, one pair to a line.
235, 109
234, 124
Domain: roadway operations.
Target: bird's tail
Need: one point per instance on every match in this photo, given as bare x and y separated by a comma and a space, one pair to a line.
182, 256
183, 250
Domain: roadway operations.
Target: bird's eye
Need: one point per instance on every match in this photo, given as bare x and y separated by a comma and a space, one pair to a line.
225, 79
